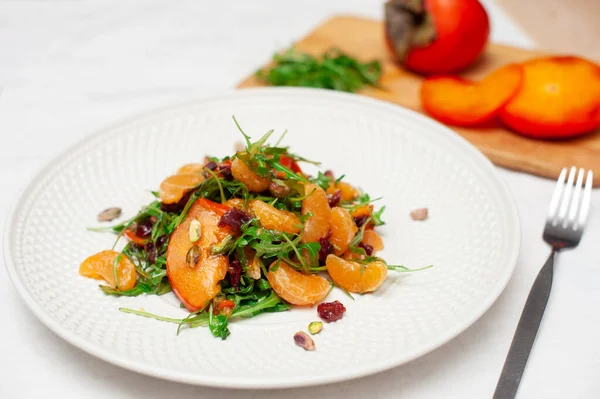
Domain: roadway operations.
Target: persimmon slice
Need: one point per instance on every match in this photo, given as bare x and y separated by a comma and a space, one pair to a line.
456, 101
560, 98
195, 276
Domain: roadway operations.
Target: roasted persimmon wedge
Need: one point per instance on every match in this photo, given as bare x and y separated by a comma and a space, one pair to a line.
101, 267
355, 277
295, 287
193, 270
456, 101
560, 98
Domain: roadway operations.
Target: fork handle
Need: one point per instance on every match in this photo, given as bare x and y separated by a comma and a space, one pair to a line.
526, 332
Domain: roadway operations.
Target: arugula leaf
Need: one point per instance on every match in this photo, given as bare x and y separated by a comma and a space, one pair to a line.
334, 70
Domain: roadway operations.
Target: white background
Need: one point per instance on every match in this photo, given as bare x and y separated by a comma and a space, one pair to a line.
68, 68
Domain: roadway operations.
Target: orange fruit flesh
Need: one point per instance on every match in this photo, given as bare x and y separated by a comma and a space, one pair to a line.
242, 173
460, 102
560, 97
317, 226
191, 168
343, 229
272, 218
297, 288
174, 187
355, 277
373, 239
195, 286
100, 267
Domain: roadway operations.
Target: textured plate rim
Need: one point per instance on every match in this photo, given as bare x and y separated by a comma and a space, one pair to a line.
489, 171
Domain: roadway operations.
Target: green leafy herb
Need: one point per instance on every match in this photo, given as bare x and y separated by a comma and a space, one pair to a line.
334, 70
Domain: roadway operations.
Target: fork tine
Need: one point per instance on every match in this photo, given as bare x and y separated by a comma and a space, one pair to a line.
575, 202
557, 194
587, 197
567, 196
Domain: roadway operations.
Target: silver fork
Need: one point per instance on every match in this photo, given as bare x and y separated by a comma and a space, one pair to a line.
567, 214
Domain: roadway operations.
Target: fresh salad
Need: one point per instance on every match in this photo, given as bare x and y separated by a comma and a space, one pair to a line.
250, 233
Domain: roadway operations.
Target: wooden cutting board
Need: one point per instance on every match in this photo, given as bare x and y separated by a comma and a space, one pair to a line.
363, 38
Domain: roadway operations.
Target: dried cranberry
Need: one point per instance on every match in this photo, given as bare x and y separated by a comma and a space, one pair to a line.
225, 172
212, 165
234, 218
144, 228
331, 311
326, 249
151, 254
368, 248
329, 174
360, 220
178, 206
160, 241
334, 199
235, 272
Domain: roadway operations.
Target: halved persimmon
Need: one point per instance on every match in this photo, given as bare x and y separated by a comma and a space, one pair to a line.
272, 218
174, 187
317, 226
343, 229
461, 102
355, 277
295, 287
560, 98
101, 267
242, 173
193, 270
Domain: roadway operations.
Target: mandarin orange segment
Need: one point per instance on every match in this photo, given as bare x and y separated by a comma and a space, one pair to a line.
370, 237
100, 267
195, 279
295, 287
191, 168
355, 277
174, 187
318, 225
242, 173
343, 229
272, 218
560, 98
460, 102
348, 191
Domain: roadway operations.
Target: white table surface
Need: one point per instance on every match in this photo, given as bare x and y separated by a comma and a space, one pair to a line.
68, 68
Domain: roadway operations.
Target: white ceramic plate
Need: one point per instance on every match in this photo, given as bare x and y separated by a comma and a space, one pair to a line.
472, 239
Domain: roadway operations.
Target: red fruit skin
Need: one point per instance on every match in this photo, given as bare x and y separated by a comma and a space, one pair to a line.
462, 31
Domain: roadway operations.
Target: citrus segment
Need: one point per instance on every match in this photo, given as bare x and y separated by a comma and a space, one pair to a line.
242, 173
295, 287
343, 229
355, 277
317, 226
272, 218
174, 187
101, 267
